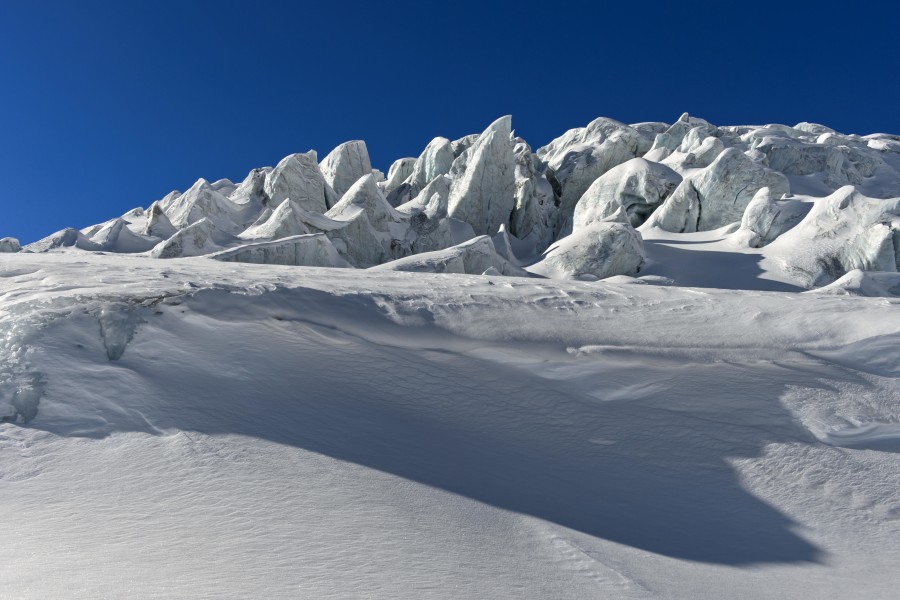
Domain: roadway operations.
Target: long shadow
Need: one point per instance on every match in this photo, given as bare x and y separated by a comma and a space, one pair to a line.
709, 269
651, 472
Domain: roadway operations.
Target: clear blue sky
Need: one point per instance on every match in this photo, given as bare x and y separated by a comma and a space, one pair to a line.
108, 106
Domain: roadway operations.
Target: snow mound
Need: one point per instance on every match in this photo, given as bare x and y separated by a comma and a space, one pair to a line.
765, 218
597, 251
863, 283
842, 232
473, 257
65, 238
9, 244
312, 250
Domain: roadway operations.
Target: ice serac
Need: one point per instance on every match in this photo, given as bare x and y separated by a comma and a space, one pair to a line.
399, 171
686, 129
534, 215
297, 177
484, 193
9, 244
311, 250
285, 221
765, 218
345, 165
201, 201
637, 186
581, 155
842, 232
197, 239
599, 250
370, 230
473, 257
117, 237
435, 160
158, 224
717, 195
65, 238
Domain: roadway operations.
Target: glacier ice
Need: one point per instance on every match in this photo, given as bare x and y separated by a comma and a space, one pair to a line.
765, 218
310, 250
297, 177
717, 195
9, 244
345, 165
483, 195
638, 186
598, 250
753, 184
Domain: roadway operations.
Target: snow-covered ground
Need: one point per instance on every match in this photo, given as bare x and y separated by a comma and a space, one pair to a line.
207, 429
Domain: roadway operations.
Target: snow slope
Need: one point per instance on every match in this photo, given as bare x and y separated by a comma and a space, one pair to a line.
209, 429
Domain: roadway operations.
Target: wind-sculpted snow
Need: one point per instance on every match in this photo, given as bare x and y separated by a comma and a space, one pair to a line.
312, 250
842, 232
474, 257
756, 189
189, 421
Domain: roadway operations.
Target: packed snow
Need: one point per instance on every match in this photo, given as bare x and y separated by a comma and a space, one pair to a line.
643, 361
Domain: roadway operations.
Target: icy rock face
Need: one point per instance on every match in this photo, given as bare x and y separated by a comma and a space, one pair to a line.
483, 195
345, 165
765, 218
117, 237
718, 195
372, 231
285, 221
312, 250
297, 177
581, 155
637, 186
473, 257
197, 239
158, 224
599, 250
842, 232
9, 244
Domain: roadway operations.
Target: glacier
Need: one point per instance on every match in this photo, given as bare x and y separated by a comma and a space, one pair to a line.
648, 360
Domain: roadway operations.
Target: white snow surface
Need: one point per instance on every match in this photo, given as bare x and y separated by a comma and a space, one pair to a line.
205, 429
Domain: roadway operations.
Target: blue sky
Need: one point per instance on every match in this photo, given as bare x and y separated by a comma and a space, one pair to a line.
108, 106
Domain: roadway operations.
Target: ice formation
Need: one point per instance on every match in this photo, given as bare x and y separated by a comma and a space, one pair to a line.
774, 191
